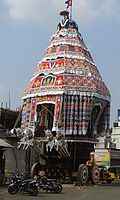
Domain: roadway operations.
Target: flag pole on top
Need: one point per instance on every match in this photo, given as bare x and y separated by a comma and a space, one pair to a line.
69, 4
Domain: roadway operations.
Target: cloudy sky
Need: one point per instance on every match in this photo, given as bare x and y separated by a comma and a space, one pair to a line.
26, 27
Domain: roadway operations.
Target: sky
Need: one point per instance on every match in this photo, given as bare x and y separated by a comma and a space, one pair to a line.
26, 28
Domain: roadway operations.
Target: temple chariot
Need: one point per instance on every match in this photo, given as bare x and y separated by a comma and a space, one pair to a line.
66, 105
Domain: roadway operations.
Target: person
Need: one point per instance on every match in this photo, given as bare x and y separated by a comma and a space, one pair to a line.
92, 159
48, 81
39, 130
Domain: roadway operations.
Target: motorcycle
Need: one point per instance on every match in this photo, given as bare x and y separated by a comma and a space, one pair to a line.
46, 184
22, 185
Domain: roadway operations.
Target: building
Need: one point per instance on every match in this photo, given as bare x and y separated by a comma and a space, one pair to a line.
116, 131
7, 118
10, 158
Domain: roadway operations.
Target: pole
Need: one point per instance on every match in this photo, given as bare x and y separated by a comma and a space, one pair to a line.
9, 101
69, 5
71, 12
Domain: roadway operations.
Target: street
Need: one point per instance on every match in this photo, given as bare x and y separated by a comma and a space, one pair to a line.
71, 192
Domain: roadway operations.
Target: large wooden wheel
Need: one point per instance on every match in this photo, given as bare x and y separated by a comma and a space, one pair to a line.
83, 174
95, 174
35, 169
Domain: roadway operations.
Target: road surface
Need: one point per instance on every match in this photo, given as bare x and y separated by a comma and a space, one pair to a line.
71, 192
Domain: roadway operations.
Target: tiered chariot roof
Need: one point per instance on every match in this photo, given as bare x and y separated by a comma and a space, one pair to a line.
67, 66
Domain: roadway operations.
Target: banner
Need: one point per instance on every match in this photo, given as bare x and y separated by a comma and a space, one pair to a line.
102, 157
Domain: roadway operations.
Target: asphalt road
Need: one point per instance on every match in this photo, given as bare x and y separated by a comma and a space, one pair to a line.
71, 192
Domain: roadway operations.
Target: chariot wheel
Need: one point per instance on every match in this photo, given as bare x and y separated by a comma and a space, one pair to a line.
83, 174
95, 174
35, 169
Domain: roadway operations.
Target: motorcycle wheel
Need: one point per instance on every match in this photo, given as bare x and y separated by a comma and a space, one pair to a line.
13, 189
34, 191
59, 188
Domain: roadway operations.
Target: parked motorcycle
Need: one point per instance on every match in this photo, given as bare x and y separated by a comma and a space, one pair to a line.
46, 184
22, 185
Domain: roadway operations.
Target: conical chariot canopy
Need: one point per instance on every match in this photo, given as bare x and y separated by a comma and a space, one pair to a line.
66, 90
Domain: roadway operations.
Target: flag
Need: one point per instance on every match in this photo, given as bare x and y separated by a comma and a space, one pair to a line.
69, 3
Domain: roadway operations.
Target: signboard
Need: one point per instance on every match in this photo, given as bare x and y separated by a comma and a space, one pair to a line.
102, 157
